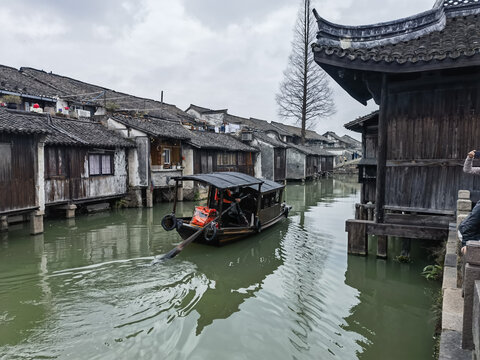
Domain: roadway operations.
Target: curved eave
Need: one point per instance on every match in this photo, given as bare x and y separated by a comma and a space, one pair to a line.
383, 33
393, 67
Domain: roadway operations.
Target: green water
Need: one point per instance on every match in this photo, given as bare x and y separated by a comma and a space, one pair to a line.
85, 290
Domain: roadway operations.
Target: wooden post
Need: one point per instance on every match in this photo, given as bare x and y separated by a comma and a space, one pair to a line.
382, 153
36, 222
220, 207
357, 238
382, 245
3, 223
259, 197
175, 197
406, 246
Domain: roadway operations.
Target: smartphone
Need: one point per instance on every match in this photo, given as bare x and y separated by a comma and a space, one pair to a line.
477, 154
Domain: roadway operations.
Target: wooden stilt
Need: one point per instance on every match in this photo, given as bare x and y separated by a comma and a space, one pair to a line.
382, 246
357, 238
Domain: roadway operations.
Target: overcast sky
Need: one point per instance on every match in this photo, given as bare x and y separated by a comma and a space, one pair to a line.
213, 53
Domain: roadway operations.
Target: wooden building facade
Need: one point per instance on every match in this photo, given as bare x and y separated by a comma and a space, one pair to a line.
212, 152
84, 162
273, 154
159, 154
423, 71
21, 147
367, 167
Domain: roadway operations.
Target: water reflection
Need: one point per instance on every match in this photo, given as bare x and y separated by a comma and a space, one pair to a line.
394, 308
85, 289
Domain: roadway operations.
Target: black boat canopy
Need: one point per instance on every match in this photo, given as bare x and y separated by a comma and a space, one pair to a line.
268, 186
223, 180
228, 180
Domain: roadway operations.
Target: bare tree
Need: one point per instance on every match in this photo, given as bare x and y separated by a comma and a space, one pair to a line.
305, 94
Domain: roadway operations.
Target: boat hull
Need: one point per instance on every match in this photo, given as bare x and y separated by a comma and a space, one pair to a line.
227, 235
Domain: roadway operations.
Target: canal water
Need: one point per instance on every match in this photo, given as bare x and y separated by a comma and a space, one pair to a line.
85, 290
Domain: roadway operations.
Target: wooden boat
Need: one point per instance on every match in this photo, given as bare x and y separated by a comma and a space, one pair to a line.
260, 207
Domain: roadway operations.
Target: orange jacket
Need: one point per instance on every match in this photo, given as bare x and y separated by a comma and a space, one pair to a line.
229, 193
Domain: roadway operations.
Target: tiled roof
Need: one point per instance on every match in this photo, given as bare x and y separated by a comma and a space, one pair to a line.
220, 141
355, 125
319, 151
61, 131
19, 122
204, 110
154, 126
85, 93
262, 136
296, 131
334, 135
304, 149
449, 31
234, 119
85, 133
264, 125
352, 141
13, 80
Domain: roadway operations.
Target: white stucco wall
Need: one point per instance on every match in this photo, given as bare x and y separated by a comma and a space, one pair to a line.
110, 185
296, 164
187, 166
138, 159
60, 106
258, 165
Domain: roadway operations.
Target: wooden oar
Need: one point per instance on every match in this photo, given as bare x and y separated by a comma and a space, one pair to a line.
177, 249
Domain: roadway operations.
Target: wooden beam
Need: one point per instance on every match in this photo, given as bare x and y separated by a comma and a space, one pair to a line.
426, 162
408, 231
382, 153
400, 230
420, 210
420, 220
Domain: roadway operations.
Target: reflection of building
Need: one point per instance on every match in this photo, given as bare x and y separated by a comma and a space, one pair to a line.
393, 314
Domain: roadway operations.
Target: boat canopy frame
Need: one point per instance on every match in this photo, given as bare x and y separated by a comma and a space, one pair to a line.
222, 180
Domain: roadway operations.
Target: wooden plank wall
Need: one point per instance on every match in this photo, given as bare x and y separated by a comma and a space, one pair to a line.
17, 187
70, 186
205, 161
432, 124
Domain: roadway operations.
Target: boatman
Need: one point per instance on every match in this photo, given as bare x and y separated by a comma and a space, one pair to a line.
235, 212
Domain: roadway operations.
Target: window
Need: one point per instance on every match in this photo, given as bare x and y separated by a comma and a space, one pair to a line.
100, 164
55, 162
166, 156
226, 159
5, 161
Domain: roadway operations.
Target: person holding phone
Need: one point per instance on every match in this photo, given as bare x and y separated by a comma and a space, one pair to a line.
469, 229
